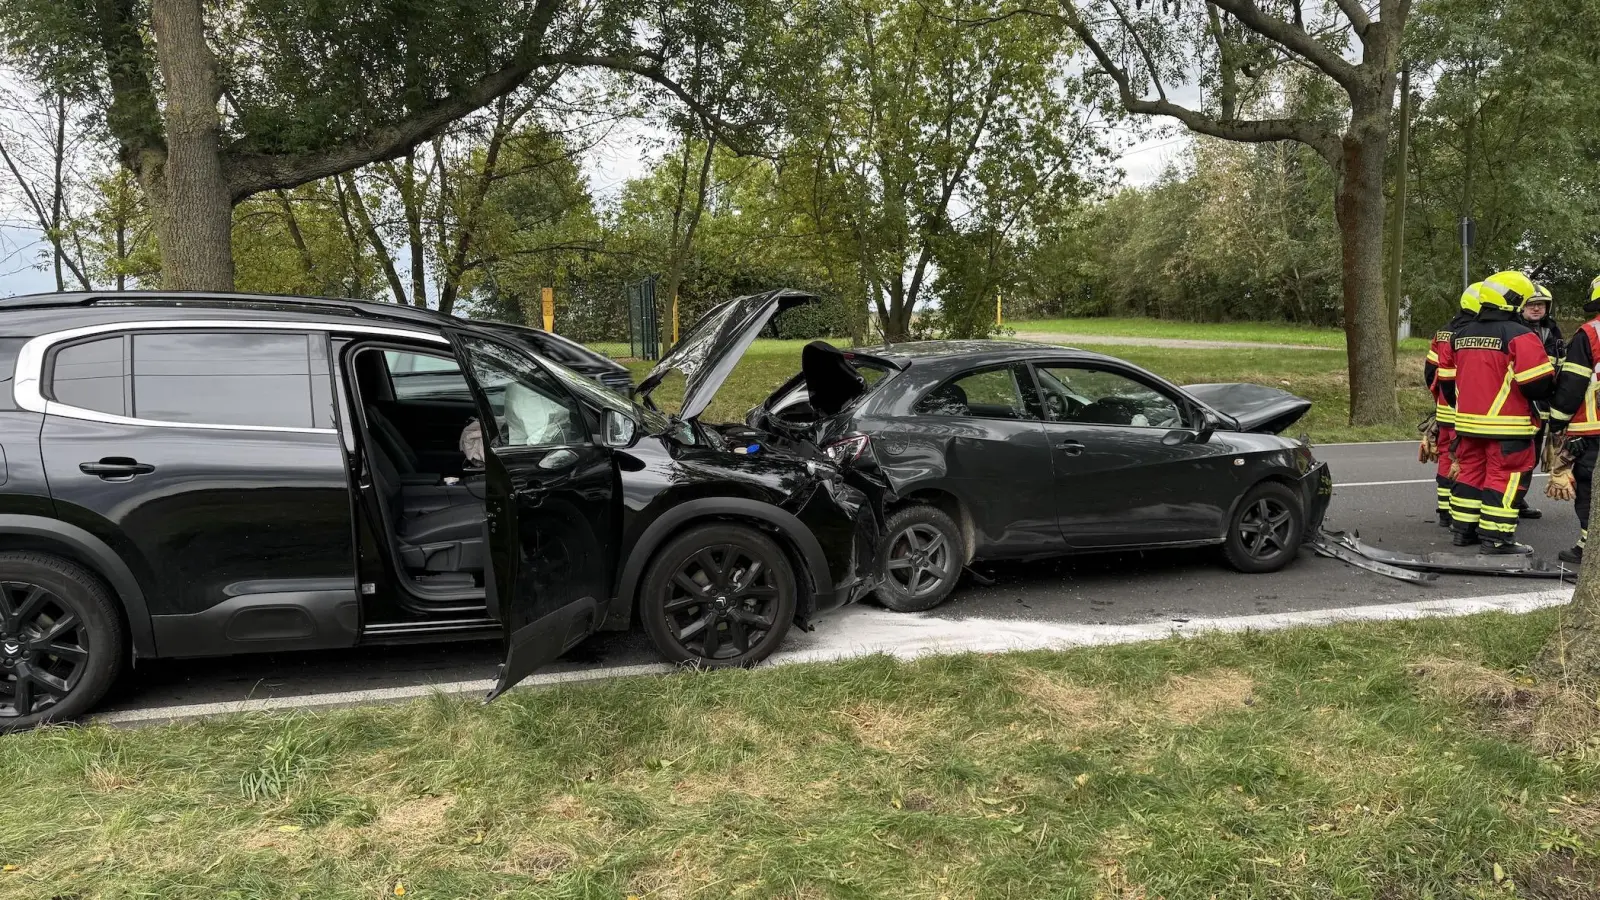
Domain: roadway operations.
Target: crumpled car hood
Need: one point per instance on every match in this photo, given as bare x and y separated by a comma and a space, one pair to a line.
714, 344
1255, 407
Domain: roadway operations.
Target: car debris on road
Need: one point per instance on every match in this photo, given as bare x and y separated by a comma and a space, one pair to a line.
1427, 567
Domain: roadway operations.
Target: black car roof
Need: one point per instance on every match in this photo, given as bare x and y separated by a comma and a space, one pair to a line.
919, 353
70, 308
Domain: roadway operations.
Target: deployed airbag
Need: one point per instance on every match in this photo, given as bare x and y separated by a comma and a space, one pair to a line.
1255, 407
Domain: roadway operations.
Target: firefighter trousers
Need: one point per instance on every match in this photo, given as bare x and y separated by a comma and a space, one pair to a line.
1444, 484
1583, 476
1485, 494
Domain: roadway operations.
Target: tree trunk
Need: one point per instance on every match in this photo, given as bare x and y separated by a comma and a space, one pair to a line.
187, 186
1359, 207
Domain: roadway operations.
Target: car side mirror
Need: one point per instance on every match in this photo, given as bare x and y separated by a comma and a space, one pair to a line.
1209, 423
618, 429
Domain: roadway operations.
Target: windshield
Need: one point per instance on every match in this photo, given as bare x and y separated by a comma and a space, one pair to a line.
601, 398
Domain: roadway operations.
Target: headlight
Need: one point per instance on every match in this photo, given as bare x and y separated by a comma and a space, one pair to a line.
847, 450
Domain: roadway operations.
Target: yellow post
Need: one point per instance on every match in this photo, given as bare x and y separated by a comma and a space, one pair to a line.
997, 322
549, 309
674, 320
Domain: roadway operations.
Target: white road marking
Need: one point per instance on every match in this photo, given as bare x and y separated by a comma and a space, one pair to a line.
1345, 484
860, 631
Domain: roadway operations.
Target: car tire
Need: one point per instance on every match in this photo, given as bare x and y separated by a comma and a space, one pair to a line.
729, 619
919, 559
48, 603
1265, 533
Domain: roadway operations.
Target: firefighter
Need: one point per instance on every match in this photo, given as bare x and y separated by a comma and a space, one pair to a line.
1444, 413
1572, 410
1500, 367
1536, 315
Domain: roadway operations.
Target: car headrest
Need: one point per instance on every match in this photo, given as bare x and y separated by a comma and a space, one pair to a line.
831, 381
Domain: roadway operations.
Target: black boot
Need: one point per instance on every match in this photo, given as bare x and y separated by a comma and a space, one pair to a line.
1444, 518
1528, 512
1489, 547
1459, 538
1573, 555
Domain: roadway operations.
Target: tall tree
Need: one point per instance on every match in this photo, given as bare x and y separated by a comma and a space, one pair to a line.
41, 154
272, 94
935, 127
1147, 51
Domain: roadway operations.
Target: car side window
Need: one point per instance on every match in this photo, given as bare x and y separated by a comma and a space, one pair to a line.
418, 376
251, 378
989, 394
1100, 397
531, 408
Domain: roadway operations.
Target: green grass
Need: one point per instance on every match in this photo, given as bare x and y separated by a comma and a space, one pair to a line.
1311, 763
1254, 332
1319, 376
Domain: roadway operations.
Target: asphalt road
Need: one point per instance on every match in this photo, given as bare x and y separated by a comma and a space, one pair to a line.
1380, 490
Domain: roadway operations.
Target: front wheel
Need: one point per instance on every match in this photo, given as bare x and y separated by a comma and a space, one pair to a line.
718, 596
1266, 529
60, 640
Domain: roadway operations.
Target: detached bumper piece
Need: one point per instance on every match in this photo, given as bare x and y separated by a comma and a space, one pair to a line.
1427, 567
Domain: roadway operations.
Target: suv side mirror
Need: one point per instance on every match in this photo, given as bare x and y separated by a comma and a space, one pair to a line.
618, 429
1208, 426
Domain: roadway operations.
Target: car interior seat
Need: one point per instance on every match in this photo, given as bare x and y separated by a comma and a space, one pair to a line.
832, 383
437, 527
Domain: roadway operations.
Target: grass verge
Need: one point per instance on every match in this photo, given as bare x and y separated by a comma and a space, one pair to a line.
1312, 763
1319, 376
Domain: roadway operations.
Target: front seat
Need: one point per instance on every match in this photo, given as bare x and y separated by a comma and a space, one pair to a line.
428, 536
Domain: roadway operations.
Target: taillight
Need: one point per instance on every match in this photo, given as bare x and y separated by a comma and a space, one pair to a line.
849, 449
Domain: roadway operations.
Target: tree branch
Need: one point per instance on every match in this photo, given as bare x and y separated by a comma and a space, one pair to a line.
1293, 38
250, 173
1359, 20
1249, 131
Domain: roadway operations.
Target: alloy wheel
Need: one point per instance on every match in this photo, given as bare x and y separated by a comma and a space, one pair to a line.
919, 560
44, 649
1265, 528
723, 600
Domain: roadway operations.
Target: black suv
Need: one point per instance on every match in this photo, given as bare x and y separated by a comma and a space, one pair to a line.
199, 475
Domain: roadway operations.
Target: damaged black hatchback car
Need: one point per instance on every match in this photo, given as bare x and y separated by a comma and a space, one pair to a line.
191, 475
1013, 450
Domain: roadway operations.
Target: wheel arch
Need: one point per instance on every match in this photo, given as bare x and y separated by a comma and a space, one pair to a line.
950, 504
793, 537
1284, 477
68, 541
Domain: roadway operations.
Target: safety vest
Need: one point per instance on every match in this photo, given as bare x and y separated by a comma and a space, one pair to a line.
1494, 359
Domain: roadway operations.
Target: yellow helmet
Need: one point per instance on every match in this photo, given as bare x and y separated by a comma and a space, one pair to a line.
1470, 301
1507, 290
1594, 290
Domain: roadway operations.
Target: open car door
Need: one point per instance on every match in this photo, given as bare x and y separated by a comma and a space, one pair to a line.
551, 504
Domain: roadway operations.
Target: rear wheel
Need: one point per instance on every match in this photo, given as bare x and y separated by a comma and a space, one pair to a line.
718, 596
920, 559
1267, 526
61, 640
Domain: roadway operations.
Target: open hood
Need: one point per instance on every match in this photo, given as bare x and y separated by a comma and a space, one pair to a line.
713, 346
1255, 407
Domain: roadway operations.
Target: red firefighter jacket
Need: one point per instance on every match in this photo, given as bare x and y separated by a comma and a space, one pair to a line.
1443, 411
1500, 368
1574, 400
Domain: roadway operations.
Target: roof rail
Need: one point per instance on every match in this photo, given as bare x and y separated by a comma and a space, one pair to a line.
364, 308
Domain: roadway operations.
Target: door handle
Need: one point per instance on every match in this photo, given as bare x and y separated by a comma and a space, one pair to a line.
1072, 448
116, 467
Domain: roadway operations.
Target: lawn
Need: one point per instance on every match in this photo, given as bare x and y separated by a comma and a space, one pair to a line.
1318, 375
1254, 332
1367, 760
